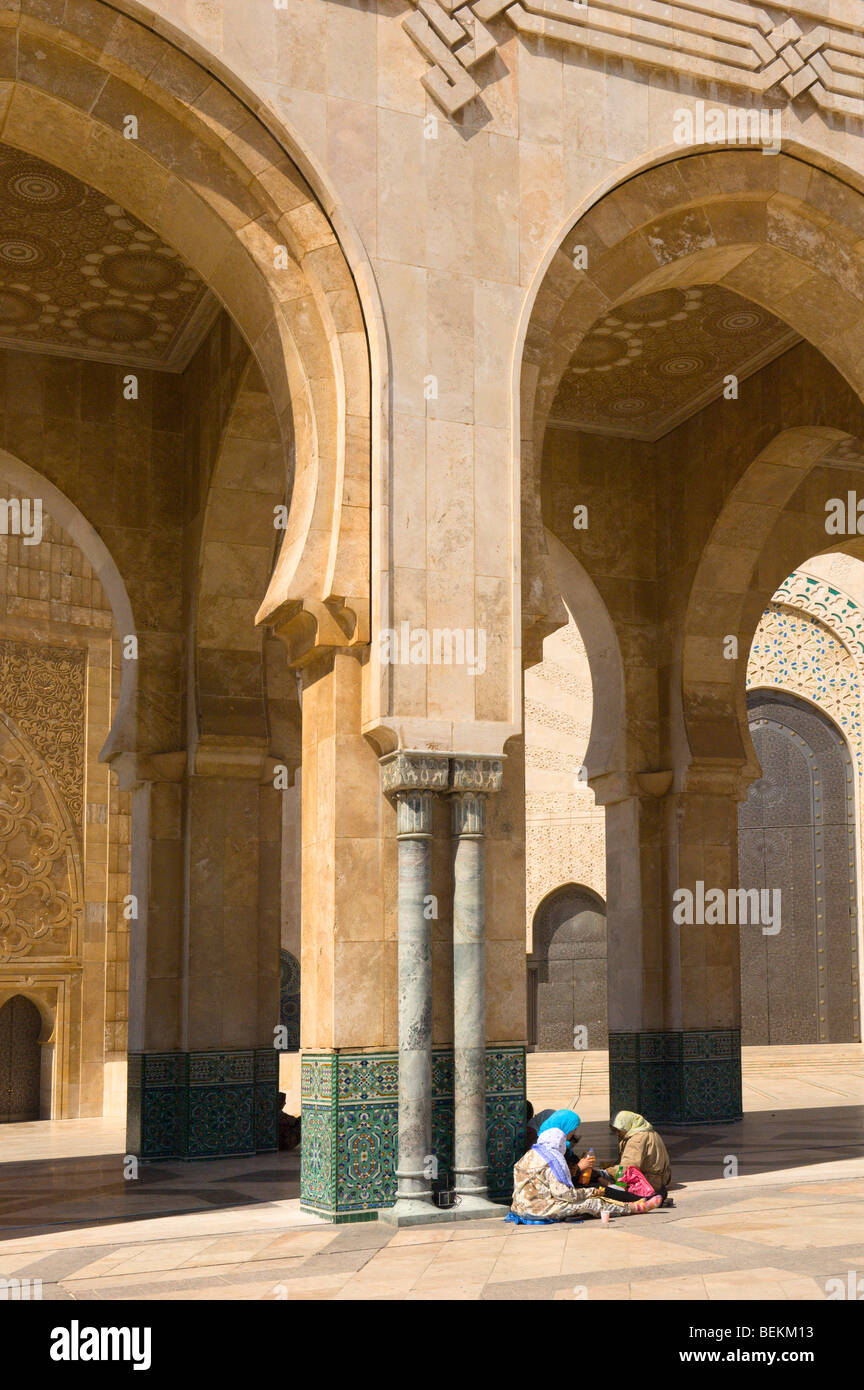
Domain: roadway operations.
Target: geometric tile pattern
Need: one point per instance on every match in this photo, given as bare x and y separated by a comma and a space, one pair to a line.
687, 1077
203, 1104
350, 1107
801, 654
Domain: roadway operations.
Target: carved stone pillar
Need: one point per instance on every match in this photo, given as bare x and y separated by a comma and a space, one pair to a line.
472, 779
204, 958
412, 779
674, 1011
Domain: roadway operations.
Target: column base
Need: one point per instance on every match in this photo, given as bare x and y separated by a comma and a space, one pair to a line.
203, 1104
414, 1213
350, 1129
691, 1077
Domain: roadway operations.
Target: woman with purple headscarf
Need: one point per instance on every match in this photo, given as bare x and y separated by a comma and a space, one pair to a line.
543, 1189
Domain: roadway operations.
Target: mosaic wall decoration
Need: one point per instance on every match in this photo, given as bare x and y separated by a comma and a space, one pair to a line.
203, 1104
350, 1127
691, 1077
798, 652
83, 277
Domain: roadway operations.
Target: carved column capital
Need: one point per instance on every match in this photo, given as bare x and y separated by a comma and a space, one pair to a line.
468, 813
413, 771
476, 774
412, 779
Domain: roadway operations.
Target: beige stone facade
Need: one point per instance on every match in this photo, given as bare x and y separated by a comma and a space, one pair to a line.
431, 390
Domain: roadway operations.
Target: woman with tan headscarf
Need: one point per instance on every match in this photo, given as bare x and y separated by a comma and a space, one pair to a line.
640, 1146
544, 1191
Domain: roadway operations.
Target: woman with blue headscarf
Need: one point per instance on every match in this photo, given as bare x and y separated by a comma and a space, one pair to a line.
543, 1189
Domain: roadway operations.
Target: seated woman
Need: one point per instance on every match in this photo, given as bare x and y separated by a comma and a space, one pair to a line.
543, 1189
640, 1146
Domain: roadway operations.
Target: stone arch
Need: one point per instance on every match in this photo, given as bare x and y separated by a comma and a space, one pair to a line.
810, 644
122, 736
783, 231
237, 553
47, 1015
606, 752
220, 180
769, 524
20, 1060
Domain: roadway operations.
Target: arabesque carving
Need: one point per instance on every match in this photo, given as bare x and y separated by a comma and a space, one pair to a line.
40, 872
43, 690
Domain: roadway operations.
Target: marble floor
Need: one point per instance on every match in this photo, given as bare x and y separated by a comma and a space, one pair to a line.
787, 1225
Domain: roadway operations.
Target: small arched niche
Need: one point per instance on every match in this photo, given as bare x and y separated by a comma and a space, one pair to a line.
567, 972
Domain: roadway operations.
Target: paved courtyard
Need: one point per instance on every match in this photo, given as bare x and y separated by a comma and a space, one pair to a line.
788, 1224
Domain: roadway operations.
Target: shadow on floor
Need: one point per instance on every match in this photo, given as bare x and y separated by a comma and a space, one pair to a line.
48, 1195
765, 1141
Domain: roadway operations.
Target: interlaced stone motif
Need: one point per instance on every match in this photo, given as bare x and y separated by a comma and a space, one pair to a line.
712, 39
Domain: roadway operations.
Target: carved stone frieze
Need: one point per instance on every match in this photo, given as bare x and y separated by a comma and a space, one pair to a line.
440, 772
731, 41
401, 772
476, 774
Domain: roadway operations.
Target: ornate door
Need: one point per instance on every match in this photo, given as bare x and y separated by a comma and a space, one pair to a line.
20, 1026
796, 835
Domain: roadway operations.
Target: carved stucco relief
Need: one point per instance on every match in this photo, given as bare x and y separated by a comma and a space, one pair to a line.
40, 862
43, 689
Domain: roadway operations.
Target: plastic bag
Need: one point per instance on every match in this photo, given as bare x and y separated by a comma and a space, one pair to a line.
635, 1181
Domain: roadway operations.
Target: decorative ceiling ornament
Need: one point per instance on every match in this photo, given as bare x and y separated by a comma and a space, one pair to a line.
80, 276
653, 362
731, 41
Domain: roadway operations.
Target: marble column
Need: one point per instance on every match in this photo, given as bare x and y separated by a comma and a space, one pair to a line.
471, 780
412, 780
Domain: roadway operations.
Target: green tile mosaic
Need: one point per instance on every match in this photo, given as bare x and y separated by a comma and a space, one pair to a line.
203, 1104
350, 1126
689, 1077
